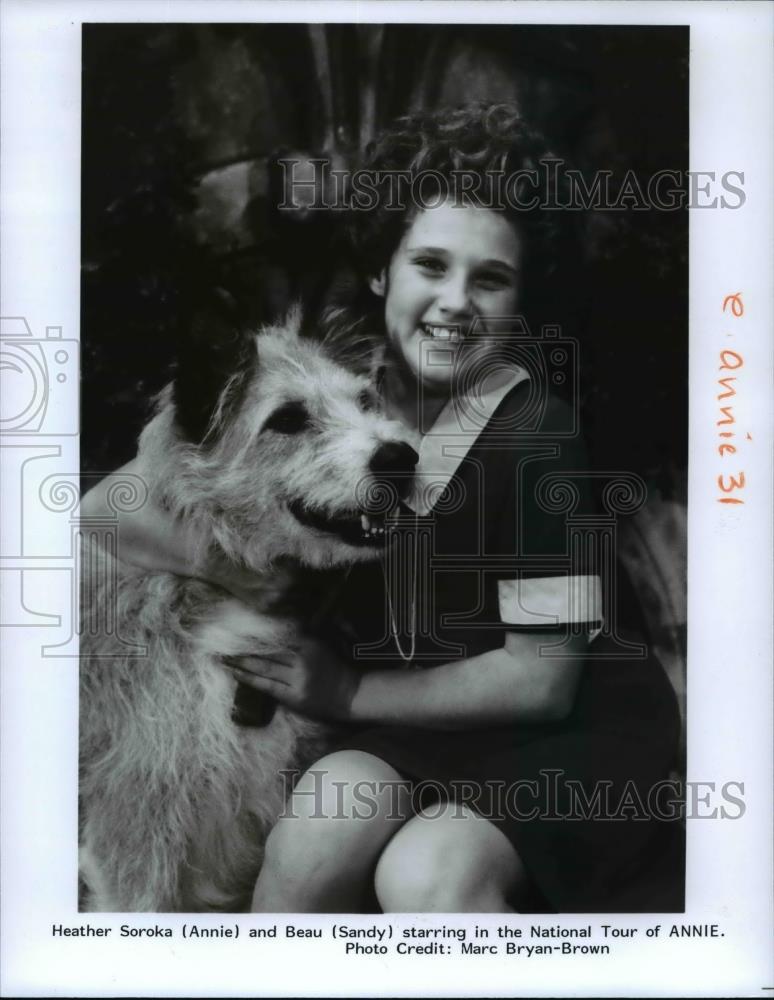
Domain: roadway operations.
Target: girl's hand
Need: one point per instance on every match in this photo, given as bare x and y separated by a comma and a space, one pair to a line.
243, 583
309, 677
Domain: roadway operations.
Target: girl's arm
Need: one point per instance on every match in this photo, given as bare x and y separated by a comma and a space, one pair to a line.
500, 686
514, 683
151, 538
148, 536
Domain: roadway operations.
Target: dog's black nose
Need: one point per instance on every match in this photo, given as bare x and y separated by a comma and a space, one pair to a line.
395, 458
394, 463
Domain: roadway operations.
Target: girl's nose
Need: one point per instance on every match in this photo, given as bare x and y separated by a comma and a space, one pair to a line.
454, 295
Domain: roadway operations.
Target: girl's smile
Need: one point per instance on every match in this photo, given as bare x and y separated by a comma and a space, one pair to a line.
454, 272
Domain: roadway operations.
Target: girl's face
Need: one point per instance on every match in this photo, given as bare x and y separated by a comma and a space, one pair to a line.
453, 265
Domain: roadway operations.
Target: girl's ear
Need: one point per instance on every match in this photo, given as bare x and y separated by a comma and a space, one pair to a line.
378, 284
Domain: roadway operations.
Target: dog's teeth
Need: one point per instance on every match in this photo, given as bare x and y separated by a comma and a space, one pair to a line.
371, 526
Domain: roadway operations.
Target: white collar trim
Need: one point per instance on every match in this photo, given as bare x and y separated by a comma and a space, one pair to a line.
451, 437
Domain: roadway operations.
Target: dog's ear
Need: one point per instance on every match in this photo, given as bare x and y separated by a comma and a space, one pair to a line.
293, 323
214, 358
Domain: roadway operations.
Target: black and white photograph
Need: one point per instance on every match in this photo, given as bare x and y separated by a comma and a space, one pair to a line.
415, 518
376, 527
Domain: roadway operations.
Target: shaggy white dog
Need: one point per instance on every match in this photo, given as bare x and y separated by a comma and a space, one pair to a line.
277, 457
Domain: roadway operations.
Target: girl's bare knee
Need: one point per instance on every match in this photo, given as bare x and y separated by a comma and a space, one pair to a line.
336, 784
349, 784
442, 887
404, 886
341, 812
445, 866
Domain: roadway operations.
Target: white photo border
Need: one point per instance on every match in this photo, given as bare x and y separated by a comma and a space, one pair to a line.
729, 865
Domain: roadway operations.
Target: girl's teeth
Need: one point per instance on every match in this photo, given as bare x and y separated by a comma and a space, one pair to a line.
442, 332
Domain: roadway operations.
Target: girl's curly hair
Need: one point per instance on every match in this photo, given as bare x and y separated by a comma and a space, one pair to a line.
489, 143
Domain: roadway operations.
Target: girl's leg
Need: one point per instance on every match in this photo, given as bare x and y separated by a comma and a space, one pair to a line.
448, 859
320, 856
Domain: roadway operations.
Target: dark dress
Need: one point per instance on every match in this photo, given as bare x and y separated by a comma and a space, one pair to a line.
499, 550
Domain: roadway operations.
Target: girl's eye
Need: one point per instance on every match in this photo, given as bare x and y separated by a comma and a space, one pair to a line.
493, 280
292, 418
430, 264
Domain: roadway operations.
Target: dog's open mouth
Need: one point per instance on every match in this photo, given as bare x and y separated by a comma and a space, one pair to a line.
355, 528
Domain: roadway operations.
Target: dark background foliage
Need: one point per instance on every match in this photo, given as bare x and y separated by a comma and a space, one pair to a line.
181, 127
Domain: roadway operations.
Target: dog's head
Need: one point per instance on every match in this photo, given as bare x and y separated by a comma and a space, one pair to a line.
273, 449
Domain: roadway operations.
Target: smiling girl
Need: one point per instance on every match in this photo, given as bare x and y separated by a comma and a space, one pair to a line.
460, 786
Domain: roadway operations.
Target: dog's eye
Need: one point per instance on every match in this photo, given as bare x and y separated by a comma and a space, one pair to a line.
292, 418
366, 401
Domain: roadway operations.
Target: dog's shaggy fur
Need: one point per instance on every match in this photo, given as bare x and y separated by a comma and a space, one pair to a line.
266, 447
